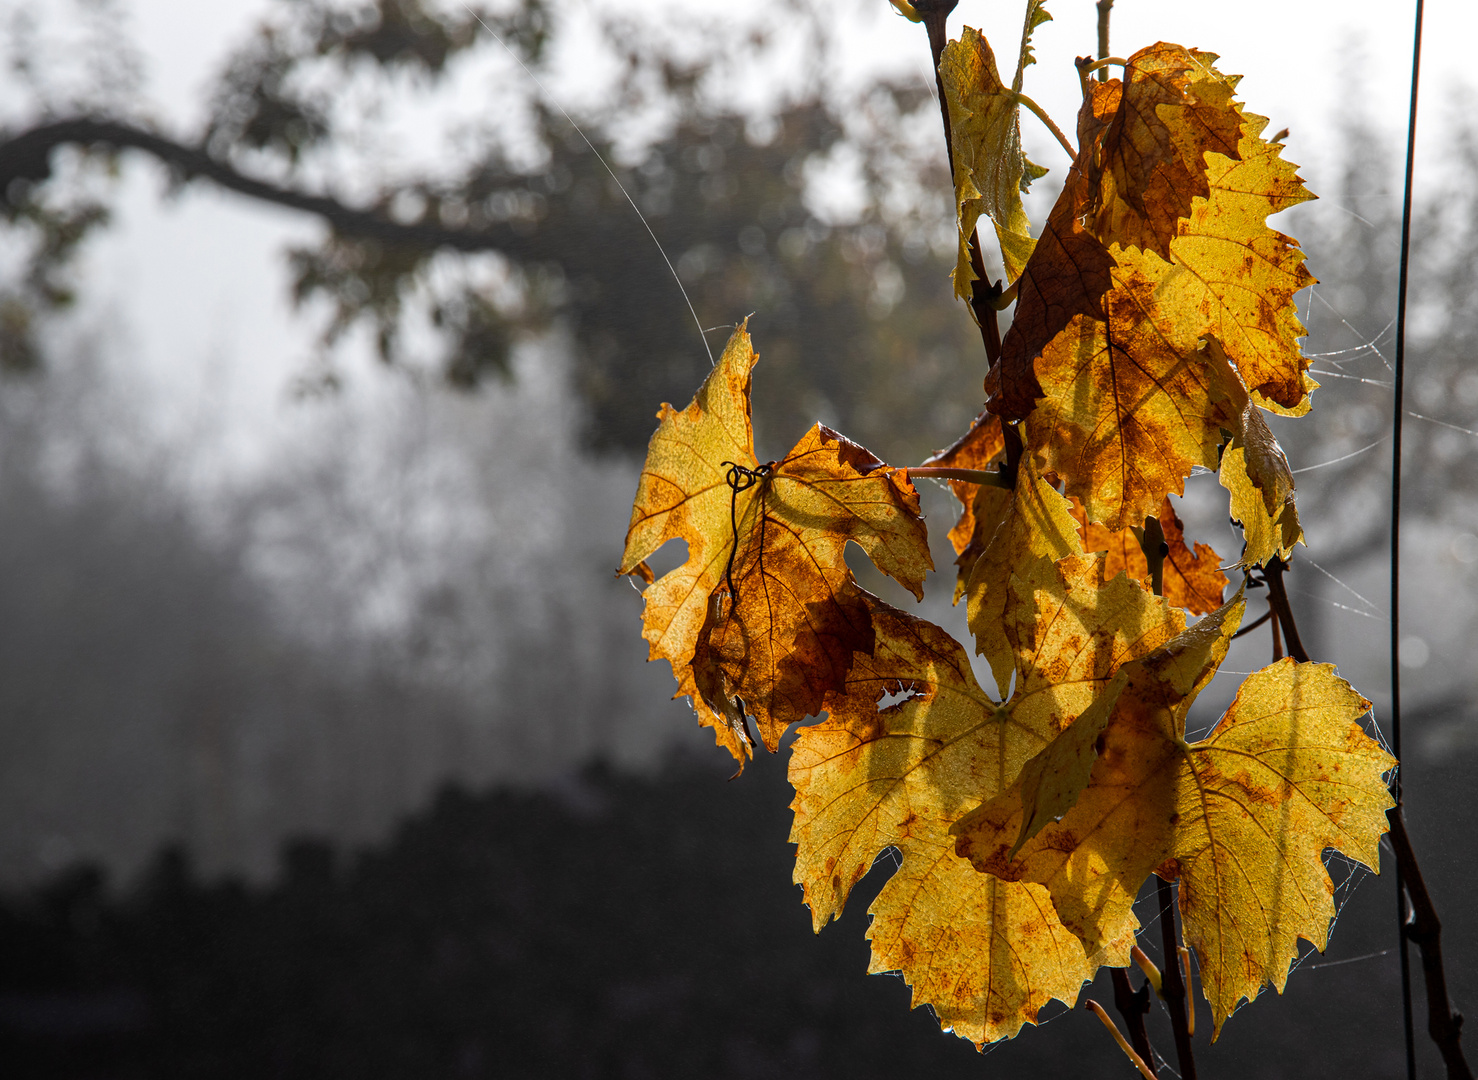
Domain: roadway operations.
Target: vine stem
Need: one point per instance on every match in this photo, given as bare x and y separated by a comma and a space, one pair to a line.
1398, 394
1104, 7
1177, 1000
1134, 1006
984, 477
1173, 988
984, 295
1278, 598
1041, 114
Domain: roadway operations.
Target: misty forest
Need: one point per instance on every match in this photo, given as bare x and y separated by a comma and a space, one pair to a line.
332, 750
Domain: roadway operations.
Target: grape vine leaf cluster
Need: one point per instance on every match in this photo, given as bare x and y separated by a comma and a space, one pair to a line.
1154, 325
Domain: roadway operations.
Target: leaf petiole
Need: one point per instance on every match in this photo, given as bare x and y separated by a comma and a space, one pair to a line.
1041, 113
1151, 972
983, 477
1129, 1051
1107, 61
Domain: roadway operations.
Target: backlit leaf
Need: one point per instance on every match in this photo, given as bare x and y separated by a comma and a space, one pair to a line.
1172, 108
788, 633
1129, 406
986, 955
1191, 580
990, 169
792, 523
1158, 243
1256, 473
1240, 819
683, 495
1028, 531
981, 505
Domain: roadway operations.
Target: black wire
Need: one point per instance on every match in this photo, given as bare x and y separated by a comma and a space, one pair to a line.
1400, 384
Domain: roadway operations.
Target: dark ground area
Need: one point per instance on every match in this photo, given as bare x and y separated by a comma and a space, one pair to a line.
618, 928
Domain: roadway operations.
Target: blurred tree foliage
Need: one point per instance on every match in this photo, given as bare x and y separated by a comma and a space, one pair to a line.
854, 319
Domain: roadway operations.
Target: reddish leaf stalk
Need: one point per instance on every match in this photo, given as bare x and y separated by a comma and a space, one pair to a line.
1133, 1055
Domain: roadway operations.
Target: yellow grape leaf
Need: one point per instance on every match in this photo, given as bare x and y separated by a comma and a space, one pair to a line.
1243, 274
990, 169
986, 955
1028, 531
1129, 406
1158, 243
981, 505
1240, 819
806, 507
683, 494
1191, 580
1051, 782
787, 634
1172, 108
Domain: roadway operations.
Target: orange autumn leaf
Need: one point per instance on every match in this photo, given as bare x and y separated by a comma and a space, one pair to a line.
1241, 819
793, 521
984, 954
1191, 580
1129, 405
786, 634
1169, 110
1158, 243
981, 505
1028, 532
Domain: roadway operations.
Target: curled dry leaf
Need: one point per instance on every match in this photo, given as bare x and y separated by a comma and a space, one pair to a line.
1240, 819
796, 602
1171, 109
990, 169
985, 954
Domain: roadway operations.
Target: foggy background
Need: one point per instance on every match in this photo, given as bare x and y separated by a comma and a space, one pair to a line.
302, 532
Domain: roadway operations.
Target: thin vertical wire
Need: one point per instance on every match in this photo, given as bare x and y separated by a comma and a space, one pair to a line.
1399, 390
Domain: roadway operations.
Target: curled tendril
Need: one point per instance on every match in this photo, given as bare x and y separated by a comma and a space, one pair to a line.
740, 478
